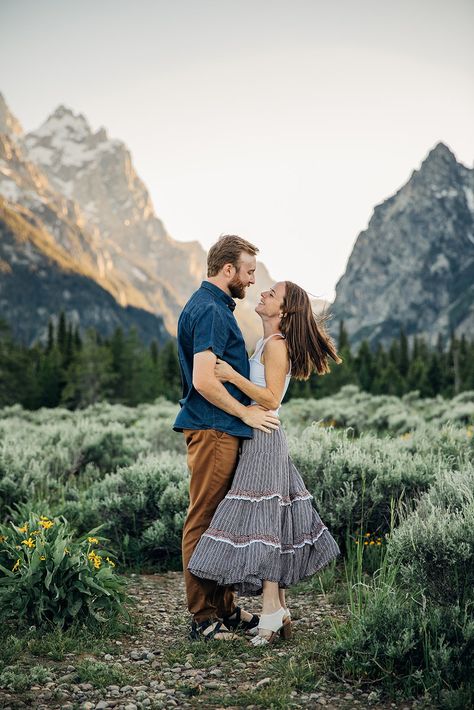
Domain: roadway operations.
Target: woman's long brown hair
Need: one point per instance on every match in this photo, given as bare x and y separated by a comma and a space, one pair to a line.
309, 344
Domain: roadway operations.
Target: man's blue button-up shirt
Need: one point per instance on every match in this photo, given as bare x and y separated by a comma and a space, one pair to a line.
207, 322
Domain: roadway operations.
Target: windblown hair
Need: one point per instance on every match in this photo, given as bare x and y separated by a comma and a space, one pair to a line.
227, 250
309, 344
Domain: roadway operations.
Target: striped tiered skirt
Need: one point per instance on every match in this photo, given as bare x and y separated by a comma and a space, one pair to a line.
266, 527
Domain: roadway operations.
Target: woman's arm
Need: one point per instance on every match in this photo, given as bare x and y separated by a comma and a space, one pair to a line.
276, 367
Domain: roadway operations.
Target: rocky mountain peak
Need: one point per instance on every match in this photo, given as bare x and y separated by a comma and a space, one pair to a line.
64, 122
9, 124
95, 206
65, 147
439, 169
414, 264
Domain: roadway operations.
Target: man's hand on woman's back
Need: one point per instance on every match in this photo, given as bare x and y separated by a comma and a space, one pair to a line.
259, 418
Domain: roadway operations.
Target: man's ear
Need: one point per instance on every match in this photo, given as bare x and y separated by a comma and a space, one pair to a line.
228, 269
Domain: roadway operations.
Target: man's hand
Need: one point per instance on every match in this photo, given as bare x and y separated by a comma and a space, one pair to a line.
259, 418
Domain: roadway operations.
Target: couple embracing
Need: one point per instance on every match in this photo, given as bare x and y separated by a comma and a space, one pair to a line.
251, 527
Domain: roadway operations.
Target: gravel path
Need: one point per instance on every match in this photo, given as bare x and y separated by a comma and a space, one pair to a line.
164, 670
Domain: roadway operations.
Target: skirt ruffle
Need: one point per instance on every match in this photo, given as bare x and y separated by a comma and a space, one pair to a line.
266, 527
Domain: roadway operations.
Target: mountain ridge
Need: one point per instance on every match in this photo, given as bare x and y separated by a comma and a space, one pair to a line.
413, 266
86, 179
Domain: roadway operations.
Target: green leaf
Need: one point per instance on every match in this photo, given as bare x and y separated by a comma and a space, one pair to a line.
6, 571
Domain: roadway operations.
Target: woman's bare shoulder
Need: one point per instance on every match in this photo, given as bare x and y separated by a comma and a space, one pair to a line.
276, 348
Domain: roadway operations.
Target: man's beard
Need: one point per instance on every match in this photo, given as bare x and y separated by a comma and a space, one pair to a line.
236, 288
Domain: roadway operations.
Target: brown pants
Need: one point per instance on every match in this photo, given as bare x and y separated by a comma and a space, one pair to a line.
212, 459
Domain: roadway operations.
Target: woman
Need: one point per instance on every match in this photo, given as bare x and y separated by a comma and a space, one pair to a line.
265, 534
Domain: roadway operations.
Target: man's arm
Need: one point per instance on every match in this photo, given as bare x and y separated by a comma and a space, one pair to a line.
209, 387
276, 366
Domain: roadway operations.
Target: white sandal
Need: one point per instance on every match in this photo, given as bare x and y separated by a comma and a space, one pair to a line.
254, 630
278, 622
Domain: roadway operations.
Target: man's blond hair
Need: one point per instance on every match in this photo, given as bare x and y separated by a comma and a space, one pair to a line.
227, 250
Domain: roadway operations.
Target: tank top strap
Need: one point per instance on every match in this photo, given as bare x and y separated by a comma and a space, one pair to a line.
261, 345
264, 342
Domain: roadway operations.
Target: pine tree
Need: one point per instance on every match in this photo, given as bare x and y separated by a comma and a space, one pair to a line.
404, 363
365, 366
77, 339
343, 338
170, 374
62, 334
90, 375
50, 378
154, 351
119, 365
50, 342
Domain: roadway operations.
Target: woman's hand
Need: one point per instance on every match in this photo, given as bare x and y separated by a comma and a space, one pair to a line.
223, 371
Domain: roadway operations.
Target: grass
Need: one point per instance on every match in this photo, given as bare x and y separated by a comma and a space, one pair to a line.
101, 674
18, 679
301, 670
57, 643
298, 666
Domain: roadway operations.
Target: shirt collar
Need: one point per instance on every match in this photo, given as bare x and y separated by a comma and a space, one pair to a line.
219, 293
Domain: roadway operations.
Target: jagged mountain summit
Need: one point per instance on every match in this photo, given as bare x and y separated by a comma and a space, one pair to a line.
60, 228
98, 174
81, 187
414, 264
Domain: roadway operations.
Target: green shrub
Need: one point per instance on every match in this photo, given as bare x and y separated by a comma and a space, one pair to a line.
413, 623
48, 577
144, 506
401, 642
361, 411
354, 480
434, 547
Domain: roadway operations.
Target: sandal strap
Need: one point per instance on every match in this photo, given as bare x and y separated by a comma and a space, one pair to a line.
198, 630
213, 632
232, 623
252, 624
229, 621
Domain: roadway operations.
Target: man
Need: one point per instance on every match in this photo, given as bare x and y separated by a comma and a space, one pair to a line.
214, 417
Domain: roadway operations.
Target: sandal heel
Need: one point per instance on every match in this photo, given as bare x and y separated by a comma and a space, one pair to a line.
286, 630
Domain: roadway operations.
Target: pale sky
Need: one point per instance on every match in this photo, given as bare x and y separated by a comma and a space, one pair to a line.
285, 122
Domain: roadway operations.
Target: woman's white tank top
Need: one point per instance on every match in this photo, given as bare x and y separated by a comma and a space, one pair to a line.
257, 368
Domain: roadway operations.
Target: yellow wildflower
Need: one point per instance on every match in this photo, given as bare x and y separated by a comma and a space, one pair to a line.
42, 557
3, 538
371, 542
95, 559
357, 542
367, 534
46, 524
16, 565
378, 542
92, 540
111, 563
29, 543
24, 528
43, 517
67, 551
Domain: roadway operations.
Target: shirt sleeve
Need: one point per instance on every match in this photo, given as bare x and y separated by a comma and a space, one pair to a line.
210, 331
